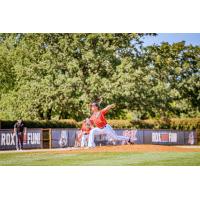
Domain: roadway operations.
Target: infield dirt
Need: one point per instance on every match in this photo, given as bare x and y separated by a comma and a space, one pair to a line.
137, 148
121, 148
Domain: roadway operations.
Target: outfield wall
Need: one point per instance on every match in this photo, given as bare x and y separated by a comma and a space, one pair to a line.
32, 139
68, 137
161, 137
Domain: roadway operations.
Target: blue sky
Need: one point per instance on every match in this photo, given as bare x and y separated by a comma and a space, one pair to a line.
189, 38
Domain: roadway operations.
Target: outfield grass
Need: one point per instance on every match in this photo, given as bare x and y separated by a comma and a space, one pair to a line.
100, 159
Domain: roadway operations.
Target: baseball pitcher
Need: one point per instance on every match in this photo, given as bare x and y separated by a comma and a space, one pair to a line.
102, 127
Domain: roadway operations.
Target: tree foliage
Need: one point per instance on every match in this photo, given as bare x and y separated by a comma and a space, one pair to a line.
49, 76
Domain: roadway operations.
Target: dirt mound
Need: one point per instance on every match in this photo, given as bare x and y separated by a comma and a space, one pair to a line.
133, 148
119, 148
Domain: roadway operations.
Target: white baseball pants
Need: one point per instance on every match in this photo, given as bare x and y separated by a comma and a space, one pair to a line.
83, 140
108, 130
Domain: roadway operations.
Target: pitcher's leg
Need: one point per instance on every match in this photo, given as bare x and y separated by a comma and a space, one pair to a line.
112, 134
93, 132
120, 137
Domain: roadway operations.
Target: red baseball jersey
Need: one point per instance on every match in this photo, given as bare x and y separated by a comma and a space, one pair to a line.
98, 118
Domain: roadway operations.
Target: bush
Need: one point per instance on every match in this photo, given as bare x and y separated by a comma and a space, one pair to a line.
69, 123
120, 123
174, 123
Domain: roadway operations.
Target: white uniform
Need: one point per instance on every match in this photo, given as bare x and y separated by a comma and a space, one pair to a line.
108, 130
84, 140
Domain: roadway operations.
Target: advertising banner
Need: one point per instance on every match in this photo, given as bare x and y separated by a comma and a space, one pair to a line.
62, 138
7, 139
72, 137
136, 136
190, 138
59, 138
31, 139
147, 136
169, 137
164, 137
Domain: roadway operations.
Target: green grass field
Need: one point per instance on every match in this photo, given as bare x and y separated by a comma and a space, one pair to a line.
100, 159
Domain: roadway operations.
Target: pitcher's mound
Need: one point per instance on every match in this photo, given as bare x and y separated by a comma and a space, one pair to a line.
133, 148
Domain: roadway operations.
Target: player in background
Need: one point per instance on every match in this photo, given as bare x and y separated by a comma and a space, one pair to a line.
19, 132
85, 129
102, 127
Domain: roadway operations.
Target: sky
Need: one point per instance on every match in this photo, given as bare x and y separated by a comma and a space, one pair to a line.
189, 38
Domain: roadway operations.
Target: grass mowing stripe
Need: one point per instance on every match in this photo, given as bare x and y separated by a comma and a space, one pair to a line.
99, 159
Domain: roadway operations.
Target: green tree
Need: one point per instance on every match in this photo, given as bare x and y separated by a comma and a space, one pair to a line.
174, 73
46, 76
59, 74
